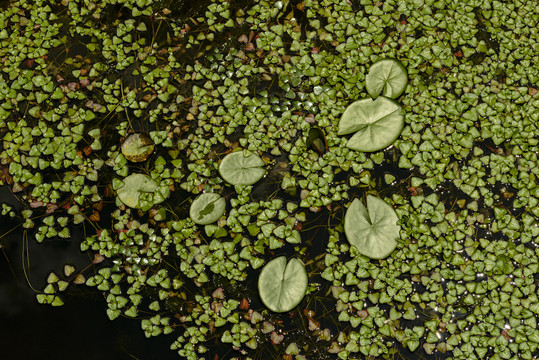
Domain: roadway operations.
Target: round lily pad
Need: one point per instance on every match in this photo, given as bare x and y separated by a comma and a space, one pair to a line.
387, 77
282, 286
376, 124
373, 230
138, 188
240, 168
207, 208
137, 147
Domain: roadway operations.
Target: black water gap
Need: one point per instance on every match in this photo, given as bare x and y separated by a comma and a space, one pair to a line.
80, 329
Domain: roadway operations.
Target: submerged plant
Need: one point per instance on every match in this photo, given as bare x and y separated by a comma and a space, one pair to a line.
137, 147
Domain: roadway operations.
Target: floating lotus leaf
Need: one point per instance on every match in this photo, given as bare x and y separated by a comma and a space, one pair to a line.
207, 208
238, 168
373, 230
387, 77
282, 286
137, 147
376, 124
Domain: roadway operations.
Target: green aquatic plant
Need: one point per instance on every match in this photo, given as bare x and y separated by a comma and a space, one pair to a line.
140, 191
376, 124
317, 140
386, 77
456, 160
207, 208
372, 229
282, 285
137, 147
241, 168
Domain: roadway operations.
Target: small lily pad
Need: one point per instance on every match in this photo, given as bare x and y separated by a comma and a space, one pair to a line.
282, 286
137, 147
387, 77
238, 168
376, 124
135, 186
373, 230
207, 208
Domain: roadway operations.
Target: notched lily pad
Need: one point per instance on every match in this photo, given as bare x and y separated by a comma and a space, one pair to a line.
207, 208
139, 191
137, 147
238, 168
376, 124
373, 230
282, 286
387, 77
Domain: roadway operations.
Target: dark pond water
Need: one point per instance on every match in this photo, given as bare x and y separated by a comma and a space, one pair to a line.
78, 330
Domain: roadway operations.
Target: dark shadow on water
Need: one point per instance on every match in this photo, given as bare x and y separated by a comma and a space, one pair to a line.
78, 330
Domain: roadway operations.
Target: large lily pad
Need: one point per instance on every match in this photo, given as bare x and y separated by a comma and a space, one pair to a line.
282, 286
373, 230
140, 191
240, 168
376, 124
207, 208
387, 77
